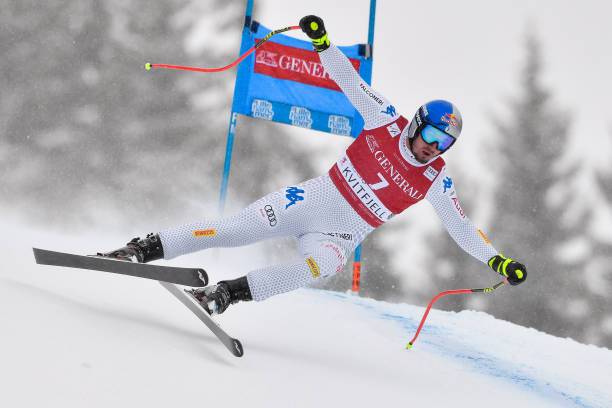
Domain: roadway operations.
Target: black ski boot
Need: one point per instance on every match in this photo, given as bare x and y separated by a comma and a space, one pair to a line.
138, 250
216, 298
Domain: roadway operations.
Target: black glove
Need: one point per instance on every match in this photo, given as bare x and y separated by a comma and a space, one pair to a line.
516, 272
315, 29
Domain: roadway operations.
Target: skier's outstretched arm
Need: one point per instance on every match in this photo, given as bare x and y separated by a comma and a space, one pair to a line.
375, 109
443, 197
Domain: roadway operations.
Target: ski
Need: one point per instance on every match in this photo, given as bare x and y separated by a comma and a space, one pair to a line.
187, 299
195, 277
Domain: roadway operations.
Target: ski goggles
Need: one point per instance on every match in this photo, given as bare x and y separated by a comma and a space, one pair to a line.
431, 134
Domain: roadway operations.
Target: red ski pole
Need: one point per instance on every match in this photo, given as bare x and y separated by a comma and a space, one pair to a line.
149, 66
445, 293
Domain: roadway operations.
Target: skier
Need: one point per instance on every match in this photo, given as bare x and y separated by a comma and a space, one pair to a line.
393, 164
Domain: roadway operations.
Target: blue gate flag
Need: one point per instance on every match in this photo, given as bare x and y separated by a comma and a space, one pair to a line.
284, 81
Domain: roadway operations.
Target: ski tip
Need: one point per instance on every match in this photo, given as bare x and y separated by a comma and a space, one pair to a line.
41, 255
409, 346
36, 252
238, 351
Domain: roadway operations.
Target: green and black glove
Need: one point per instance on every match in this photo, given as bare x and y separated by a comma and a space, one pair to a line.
515, 272
314, 28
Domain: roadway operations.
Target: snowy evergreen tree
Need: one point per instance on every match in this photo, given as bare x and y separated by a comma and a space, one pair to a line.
601, 267
595, 264
85, 126
526, 225
586, 252
84, 110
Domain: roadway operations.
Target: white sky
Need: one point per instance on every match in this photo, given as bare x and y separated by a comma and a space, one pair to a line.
471, 53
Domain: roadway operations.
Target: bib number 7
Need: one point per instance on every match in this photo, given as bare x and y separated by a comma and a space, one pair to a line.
381, 184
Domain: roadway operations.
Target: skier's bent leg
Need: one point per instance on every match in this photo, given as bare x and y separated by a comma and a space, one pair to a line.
318, 263
320, 260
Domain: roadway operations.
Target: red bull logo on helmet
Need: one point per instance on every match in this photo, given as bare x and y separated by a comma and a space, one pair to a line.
450, 119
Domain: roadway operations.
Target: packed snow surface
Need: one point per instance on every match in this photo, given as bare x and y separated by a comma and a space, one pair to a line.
74, 338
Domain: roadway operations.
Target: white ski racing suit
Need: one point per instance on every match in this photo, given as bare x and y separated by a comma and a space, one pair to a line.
377, 178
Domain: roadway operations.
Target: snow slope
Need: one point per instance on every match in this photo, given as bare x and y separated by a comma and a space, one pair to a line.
72, 338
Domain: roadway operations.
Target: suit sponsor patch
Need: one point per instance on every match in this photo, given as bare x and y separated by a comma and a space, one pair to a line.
211, 232
314, 268
393, 129
484, 237
431, 173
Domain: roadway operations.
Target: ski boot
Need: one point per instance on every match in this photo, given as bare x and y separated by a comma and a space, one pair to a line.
138, 250
215, 299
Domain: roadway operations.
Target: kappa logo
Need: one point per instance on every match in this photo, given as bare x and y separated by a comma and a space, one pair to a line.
430, 173
448, 183
293, 195
393, 129
390, 111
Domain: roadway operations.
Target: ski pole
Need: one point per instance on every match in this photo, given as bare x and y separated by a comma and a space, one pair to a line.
149, 66
450, 292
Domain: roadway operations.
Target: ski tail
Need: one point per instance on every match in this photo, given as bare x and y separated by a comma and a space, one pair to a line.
233, 345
